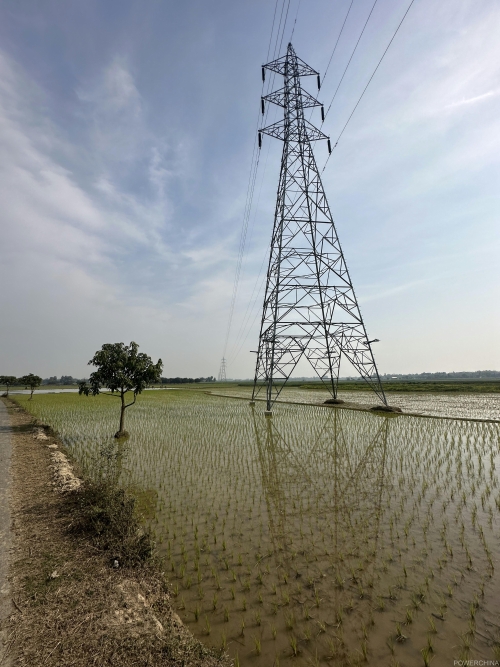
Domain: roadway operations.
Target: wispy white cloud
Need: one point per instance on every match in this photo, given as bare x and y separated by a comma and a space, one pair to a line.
473, 100
91, 249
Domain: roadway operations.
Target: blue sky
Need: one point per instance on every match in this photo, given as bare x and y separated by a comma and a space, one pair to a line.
126, 138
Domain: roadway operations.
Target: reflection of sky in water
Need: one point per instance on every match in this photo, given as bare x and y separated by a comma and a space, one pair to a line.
470, 406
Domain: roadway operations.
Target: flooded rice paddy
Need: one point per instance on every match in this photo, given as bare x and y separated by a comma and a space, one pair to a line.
457, 406
318, 537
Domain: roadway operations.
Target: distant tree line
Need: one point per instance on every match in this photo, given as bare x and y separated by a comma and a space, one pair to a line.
459, 375
12, 381
64, 379
179, 380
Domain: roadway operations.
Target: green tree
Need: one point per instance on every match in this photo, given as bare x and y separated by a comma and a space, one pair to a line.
31, 382
8, 380
121, 369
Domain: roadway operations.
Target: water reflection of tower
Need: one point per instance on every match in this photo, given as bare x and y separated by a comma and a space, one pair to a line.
343, 471
335, 482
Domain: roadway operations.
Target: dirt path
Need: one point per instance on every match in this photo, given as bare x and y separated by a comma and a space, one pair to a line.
5, 538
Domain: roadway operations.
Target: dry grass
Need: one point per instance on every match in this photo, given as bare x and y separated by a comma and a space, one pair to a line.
71, 606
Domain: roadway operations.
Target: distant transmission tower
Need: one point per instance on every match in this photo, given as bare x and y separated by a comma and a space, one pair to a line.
222, 370
310, 308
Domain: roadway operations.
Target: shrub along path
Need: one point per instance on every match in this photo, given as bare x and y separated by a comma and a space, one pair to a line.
70, 605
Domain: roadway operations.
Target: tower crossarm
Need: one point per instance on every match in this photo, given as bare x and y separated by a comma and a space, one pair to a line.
279, 97
282, 65
286, 132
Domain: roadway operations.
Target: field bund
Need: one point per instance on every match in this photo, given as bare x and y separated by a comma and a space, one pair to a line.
320, 536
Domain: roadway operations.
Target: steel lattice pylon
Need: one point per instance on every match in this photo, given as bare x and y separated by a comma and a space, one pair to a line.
310, 308
222, 370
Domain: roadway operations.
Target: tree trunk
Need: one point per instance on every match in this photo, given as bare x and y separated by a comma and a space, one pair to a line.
122, 433
122, 414
7, 391
31, 396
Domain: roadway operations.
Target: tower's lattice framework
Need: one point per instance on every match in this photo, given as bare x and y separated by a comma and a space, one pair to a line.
222, 370
310, 308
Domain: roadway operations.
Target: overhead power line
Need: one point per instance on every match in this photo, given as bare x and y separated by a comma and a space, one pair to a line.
295, 22
369, 81
338, 38
254, 168
349, 62
333, 52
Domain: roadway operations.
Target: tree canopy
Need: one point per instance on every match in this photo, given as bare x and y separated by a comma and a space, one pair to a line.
31, 382
121, 368
8, 381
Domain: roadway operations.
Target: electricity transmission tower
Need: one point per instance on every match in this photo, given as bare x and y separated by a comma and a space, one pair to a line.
222, 370
310, 308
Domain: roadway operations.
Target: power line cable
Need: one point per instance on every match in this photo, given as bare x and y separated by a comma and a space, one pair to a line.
246, 218
338, 38
252, 180
248, 327
349, 62
284, 26
295, 22
272, 30
264, 121
334, 49
276, 50
244, 319
369, 81
279, 27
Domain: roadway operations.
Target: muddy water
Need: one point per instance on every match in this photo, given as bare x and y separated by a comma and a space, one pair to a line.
315, 538
458, 406
320, 536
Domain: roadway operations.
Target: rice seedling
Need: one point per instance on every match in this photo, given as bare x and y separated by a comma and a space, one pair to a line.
364, 651
466, 640
321, 627
427, 656
257, 645
400, 637
294, 645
